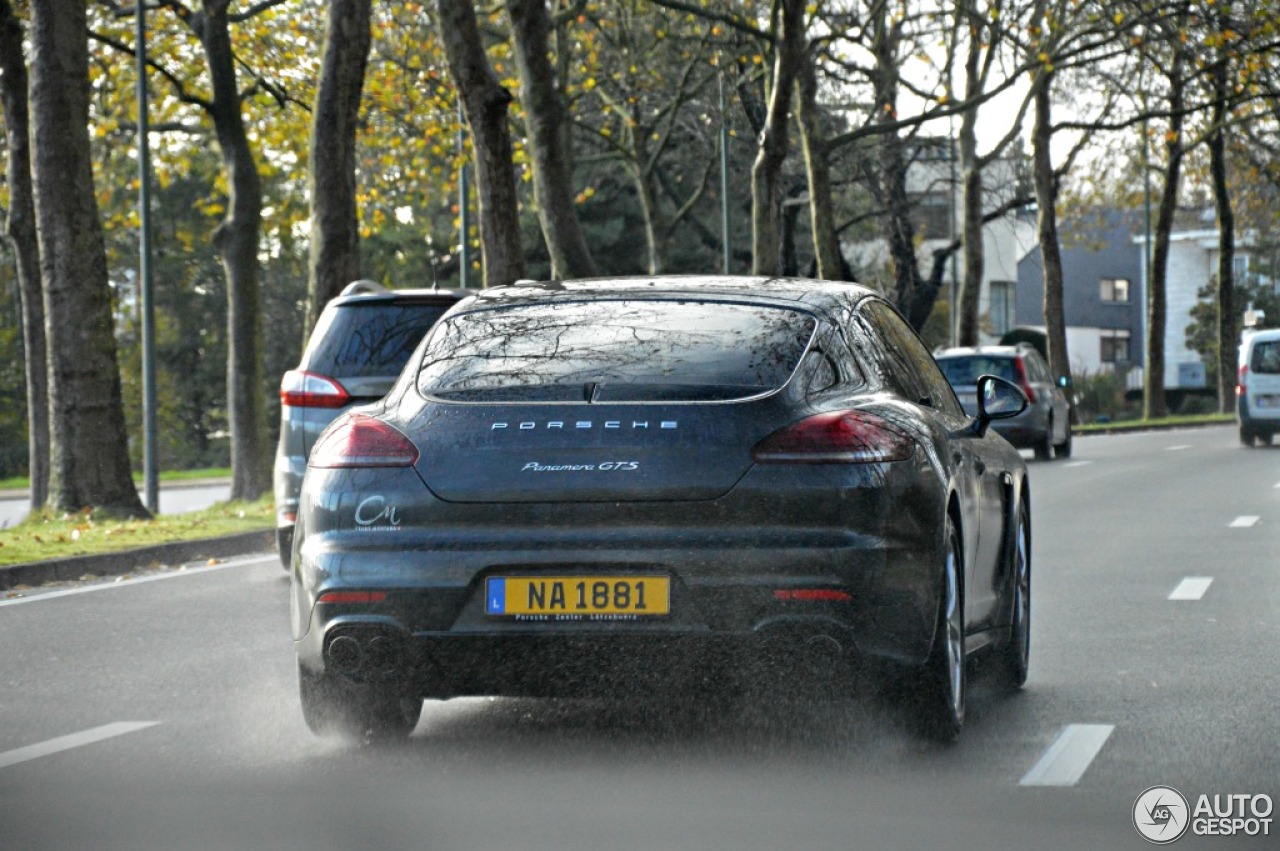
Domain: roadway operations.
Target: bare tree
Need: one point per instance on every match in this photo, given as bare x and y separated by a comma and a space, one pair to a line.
20, 230
485, 102
236, 241
335, 231
545, 120
89, 445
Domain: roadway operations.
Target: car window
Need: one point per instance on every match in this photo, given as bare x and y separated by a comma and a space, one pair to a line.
1266, 358
908, 366
1038, 369
963, 370
615, 350
376, 338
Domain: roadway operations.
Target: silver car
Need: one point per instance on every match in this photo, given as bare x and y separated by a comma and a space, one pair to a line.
1045, 425
355, 353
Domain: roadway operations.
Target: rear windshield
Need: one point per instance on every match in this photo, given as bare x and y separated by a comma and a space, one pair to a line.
962, 371
615, 351
1266, 358
370, 339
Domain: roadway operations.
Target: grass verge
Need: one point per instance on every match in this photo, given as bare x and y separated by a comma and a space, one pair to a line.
22, 483
1186, 421
48, 536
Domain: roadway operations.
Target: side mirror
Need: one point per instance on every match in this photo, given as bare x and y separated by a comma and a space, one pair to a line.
997, 400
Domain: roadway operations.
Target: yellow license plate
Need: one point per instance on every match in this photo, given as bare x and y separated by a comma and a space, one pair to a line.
578, 597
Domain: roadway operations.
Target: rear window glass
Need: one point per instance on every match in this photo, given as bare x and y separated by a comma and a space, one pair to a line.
1266, 357
962, 371
370, 339
615, 351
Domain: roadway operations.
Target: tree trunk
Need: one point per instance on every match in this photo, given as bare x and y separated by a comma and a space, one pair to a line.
1154, 404
1228, 336
89, 445
544, 118
236, 241
335, 232
971, 169
766, 173
1046, 184
826, 244
20, 230
485, 103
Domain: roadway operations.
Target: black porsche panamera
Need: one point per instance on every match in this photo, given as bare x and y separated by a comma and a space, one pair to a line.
602, 486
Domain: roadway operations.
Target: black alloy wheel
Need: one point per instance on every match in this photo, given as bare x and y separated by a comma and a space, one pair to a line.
364, 712
940, 698
1015, 656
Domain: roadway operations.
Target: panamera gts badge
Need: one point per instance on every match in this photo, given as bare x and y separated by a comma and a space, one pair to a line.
536, 467
587, 425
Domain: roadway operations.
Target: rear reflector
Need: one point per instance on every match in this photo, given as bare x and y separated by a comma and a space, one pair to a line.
301, 389
840, 437
353, 597
359, 440
813, 595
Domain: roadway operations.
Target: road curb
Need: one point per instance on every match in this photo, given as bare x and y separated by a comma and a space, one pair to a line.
112, 564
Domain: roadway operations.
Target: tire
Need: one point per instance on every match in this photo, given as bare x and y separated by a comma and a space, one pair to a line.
1265, 438
941, 695
284, 545
1246, 436
1044, 448
364, 712
1063, 450
1014, 658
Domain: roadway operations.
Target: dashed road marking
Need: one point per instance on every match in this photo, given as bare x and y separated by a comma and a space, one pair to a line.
75, 740
1086, 463
1069, 757
1191, 588
1179, 448
1244, 522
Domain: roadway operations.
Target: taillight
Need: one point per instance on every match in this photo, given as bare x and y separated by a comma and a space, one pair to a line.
1244, 373
1023, 382
302, 389
840, 437
359, 440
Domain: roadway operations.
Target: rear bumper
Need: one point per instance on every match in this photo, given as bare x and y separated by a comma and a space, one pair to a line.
726, 559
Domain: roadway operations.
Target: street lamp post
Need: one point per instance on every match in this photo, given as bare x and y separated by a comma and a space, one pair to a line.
150, 465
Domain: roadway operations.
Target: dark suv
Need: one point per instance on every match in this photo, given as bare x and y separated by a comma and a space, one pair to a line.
1045, 425
355, 354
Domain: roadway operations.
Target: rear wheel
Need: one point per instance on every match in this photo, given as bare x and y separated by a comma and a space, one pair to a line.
1063, 449
1044, 447
284, 545
1246, 436
1265, 437
356, 710
1015, 657
940, 698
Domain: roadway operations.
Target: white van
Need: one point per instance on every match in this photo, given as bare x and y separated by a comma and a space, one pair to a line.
1258, 389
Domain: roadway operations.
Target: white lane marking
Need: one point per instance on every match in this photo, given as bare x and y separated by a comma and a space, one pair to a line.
1244, 522
1067, 759
1180, 447
75, 740
1087, 463
105, 583
1191, 588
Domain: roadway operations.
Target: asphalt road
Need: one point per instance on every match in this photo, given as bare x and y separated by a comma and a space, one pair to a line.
174, 499
162, 714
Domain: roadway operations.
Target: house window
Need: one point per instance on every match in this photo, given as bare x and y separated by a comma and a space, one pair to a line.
1002, 307
933, 214
1115, 290
1115, 347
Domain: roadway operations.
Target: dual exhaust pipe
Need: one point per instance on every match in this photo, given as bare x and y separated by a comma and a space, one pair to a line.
364, 653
